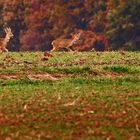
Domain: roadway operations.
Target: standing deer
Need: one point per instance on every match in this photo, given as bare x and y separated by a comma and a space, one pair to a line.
62, 43
4, 41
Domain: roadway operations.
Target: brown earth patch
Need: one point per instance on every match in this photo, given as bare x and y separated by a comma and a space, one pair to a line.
55, 76
41, 76
111, 74
34, 76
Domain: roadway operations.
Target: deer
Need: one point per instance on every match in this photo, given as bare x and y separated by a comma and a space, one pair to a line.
4, 41
63, 43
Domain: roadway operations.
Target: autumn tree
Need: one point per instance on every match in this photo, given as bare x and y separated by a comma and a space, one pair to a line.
36, 23
124, 26
37, 36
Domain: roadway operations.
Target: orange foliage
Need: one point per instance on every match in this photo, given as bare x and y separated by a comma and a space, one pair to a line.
91, 41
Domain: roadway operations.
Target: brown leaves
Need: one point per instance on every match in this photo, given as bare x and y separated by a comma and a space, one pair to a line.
88, 133
71, 108
81, 117
46, 56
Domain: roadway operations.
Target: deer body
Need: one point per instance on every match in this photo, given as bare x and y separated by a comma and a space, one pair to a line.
62, 43
82, 41
4, 41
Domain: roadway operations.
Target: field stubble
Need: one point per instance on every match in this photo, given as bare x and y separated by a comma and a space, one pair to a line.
88, 95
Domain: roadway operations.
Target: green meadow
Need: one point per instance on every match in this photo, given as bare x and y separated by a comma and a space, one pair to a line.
72, 95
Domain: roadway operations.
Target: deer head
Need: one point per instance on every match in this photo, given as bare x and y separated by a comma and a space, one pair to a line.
76, 39
9, 34
4, 41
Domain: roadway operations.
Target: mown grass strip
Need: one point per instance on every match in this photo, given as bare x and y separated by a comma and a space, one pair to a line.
122, 69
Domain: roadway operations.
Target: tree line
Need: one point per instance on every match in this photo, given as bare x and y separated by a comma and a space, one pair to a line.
36, 23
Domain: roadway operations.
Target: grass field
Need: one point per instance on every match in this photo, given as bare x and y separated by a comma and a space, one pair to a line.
84, 95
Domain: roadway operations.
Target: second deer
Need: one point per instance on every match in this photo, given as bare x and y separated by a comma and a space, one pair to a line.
4, 41
62, 43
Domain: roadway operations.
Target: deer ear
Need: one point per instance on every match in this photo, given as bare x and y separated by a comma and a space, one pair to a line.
9, 29
6, 30
79, 34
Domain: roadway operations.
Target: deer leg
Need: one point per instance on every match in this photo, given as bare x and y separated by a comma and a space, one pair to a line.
5, 50
93, 50
69, 49
53, 50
